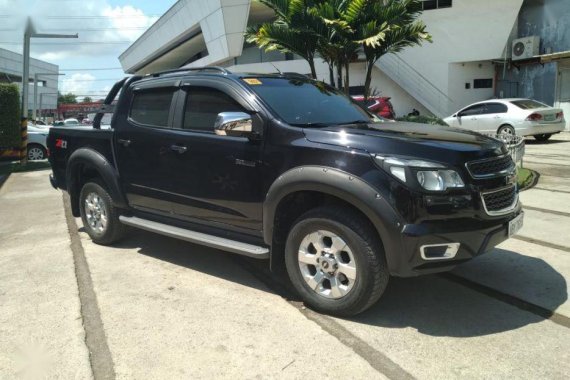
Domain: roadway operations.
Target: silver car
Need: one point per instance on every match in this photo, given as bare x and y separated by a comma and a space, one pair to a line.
37, 147
521, 117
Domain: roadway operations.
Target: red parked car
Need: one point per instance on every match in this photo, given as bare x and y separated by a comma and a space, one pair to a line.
379, 105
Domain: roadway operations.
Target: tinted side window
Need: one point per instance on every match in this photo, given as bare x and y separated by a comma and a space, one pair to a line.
152, 107
495, 108
474, 110
203, 104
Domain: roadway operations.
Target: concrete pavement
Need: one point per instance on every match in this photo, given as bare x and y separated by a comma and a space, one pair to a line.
170, 309
41, 329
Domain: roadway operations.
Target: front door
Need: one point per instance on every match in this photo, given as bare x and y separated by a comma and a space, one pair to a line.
491, 118
468, 118
219, 179
563, 96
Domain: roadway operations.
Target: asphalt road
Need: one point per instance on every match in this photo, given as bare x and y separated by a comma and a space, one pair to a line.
154, 307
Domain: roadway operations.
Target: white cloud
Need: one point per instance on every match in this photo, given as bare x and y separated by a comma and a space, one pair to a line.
96, 21
78, 83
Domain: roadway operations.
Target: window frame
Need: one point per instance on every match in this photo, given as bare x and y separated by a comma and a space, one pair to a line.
481, 105
504, 107
483, 83
155, 85
226, 88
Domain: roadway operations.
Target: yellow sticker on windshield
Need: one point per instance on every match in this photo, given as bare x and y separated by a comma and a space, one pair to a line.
252, 81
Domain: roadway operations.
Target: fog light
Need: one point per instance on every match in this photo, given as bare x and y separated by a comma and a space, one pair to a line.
439, 251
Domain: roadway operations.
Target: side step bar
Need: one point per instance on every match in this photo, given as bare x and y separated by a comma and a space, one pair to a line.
197, 237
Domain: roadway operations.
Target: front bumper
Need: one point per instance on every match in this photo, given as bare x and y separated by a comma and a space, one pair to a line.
474, 236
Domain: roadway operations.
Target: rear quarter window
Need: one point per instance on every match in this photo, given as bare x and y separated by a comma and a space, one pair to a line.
528, 104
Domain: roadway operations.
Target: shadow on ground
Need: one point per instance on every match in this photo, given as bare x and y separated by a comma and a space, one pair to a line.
432, 304
552, 140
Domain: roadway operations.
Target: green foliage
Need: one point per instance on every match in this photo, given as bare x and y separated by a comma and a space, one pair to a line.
10, 117
423, 119
526, 178
67, 98
87, 99
336, 30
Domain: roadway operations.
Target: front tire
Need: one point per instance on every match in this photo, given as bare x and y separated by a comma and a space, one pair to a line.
100, 218
506, 132
543, 137
335, 261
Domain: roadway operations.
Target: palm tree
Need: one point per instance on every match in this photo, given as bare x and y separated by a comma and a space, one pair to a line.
292, 32
398, 19
342, 35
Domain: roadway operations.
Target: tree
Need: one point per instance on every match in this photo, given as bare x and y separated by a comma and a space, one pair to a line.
67, 98
10, 135
345, 35
291, 32
87, 99
398, 19
337, 30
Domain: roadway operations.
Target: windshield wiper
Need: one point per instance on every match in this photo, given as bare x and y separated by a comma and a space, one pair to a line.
311, 125
355, 122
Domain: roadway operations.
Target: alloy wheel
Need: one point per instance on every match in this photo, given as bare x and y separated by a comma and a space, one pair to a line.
96, 212
327, 264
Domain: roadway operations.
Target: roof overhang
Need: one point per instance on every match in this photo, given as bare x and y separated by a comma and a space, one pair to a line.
546, 58
194, 32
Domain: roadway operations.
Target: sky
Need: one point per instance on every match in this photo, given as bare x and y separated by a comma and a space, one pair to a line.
106, 28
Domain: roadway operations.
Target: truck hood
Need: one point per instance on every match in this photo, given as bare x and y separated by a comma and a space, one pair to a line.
435, 143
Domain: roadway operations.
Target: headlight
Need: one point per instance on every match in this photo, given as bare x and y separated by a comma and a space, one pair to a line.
436, 178
439, 180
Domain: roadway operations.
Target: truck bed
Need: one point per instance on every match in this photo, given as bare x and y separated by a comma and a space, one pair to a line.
63, 141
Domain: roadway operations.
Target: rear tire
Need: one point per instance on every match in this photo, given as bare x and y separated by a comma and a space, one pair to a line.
36, 152
542, 137
335, 261
100, 218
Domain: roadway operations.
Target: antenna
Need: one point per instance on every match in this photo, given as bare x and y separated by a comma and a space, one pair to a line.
279, 71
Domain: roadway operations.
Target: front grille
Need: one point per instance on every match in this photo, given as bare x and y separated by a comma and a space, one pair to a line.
499, 201
490, 167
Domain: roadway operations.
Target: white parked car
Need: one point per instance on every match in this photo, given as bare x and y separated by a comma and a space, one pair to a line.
37, 147
521, 117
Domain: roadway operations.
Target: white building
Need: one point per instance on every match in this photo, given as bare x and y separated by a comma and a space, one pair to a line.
472, 43
11, 67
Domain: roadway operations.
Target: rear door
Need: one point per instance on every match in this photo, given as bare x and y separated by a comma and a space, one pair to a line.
218, 179
492, 117
142, 145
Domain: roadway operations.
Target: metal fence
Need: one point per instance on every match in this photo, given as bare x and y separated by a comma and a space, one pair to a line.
515, 145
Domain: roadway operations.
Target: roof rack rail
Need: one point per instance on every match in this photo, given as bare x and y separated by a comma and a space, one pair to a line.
185, 69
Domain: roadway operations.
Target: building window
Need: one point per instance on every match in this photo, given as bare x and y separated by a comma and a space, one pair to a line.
436, 4
483, 83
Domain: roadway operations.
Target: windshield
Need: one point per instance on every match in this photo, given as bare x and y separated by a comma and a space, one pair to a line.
302, 102
528, 104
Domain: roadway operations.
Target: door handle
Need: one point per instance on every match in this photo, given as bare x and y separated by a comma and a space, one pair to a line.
178, 148
124, 142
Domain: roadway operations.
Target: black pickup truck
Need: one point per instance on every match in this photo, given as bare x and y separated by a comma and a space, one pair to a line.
281, 167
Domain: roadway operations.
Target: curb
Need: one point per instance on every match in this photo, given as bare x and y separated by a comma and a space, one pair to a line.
534, 182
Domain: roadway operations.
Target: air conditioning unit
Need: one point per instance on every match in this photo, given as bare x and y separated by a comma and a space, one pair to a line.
525, 48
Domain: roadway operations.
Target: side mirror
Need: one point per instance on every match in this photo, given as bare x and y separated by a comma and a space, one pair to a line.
236, 124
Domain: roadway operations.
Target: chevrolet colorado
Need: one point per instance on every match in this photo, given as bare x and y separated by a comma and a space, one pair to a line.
281, 167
